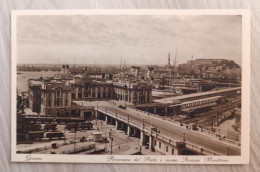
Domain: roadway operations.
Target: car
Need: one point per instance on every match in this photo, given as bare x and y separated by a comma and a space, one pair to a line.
122, 106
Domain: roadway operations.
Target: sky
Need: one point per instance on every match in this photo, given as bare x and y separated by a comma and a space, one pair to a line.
138, 40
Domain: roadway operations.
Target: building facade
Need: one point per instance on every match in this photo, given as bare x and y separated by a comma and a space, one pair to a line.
55, 97
133, 93
35, 95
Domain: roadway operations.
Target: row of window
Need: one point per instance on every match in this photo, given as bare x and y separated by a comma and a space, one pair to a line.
98, 88
73, 95
57, 103
58, 94
166, 147
191, 104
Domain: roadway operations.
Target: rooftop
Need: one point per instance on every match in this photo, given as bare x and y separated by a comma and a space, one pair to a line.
173, 99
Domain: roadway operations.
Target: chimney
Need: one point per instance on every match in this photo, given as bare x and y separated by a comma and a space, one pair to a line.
63, 69
169, 59
137, 72
150, 72
67, 68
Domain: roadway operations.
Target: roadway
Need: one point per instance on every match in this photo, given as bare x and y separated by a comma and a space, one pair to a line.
171, 130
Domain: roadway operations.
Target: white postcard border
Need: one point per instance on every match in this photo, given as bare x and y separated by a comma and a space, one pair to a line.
143, 159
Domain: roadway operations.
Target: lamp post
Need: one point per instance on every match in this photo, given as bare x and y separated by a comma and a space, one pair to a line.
184, 136
143, 121
65, 134
111, 145
111, 140
228, 137
75, 131
140, 146
106, 139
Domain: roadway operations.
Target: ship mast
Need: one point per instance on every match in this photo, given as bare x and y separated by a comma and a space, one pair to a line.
174, 64
74, 66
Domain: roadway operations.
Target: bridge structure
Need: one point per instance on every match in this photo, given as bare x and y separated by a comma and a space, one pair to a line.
161, 136
149, 136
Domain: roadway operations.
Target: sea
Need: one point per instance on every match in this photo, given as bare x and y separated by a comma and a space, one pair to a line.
24, 76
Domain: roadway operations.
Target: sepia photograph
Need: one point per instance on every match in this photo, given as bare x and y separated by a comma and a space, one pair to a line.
131, 86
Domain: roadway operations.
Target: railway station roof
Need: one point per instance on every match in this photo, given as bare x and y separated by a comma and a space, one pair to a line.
208, 93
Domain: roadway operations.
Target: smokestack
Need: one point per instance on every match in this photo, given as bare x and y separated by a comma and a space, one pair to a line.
63, 69
67, 68
137, 72
150, 72
169, 59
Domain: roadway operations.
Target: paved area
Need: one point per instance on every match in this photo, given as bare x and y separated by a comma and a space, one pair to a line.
121, 145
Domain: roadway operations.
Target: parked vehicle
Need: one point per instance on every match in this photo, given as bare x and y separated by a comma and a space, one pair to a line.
51, 135
86, 125
48, 127
35, 127
72, 125
34, 135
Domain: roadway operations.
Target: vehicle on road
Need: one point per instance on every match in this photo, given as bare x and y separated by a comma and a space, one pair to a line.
122, 106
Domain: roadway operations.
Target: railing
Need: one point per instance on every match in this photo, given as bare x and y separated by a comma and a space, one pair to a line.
230, 141
155, 115
191, 146
200, 149
220, 137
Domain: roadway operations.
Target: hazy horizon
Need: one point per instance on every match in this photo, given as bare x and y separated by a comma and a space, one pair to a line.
138, 40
